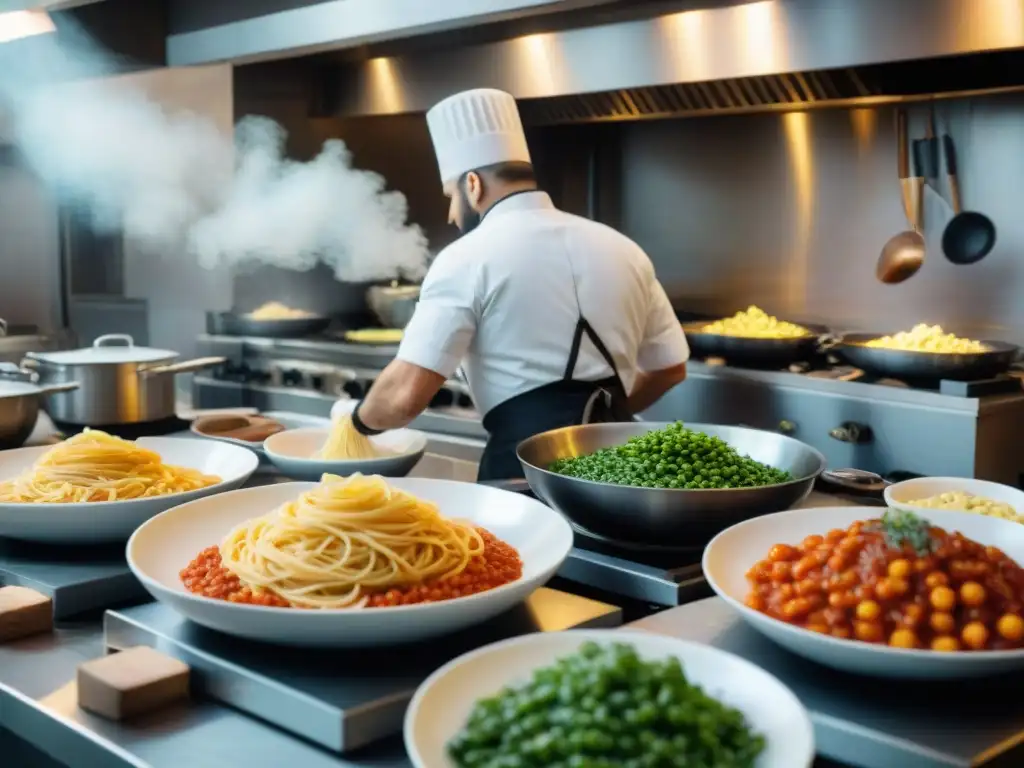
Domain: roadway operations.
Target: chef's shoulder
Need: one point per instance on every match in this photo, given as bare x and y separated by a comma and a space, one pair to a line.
595, 236
454, 272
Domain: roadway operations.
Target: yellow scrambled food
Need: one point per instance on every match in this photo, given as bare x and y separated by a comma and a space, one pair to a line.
928, 338
375, 335
967, 502
275, 310
755, 323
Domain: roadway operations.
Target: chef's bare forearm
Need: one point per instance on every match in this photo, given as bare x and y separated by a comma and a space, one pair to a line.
400, 394
650, 386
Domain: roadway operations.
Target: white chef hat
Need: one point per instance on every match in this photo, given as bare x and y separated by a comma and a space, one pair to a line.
474, 129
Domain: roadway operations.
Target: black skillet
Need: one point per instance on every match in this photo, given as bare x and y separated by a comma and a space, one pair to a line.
925, 366
233, 324
742, 350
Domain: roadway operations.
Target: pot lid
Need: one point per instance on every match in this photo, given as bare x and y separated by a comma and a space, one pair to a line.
17, 389
110, 348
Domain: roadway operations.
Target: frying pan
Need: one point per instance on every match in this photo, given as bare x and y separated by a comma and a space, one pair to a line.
753, 351
234, 324
902, 364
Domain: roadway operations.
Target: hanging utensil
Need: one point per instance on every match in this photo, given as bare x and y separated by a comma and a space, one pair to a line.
903, 254
969, 236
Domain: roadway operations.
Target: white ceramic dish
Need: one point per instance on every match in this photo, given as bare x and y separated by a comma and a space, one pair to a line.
98, 521
163, 546
732, 552
898, 494
292, 452
444, 700
285, 418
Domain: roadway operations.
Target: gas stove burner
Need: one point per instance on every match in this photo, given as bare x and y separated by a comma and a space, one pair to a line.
129, 431
590, 540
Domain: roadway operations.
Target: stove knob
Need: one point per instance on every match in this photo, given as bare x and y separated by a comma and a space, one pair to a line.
291, 378
851, 432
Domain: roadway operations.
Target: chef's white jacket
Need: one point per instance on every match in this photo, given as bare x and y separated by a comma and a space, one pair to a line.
502, 302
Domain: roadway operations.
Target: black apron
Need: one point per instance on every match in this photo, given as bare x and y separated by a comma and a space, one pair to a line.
563, 403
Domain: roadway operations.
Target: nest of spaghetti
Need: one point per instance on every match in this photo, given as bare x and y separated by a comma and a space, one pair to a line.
353, 542
94, 466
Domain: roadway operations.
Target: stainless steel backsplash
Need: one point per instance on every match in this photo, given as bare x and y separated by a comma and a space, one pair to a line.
790, 211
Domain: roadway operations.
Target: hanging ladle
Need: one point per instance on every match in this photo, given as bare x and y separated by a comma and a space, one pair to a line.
903, 254
969, 236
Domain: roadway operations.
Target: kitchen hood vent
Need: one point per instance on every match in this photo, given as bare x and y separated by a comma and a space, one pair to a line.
789, 91
908, 81
733, 57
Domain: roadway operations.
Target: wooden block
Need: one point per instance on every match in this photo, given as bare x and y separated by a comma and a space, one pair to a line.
132, 682
24, 612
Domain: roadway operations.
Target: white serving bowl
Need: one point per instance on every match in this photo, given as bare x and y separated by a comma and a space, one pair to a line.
292, 452
109, 521
443, 702
163, 546
898, 494
732, 552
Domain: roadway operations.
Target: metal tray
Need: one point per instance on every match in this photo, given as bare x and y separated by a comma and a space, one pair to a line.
339, 700
77, 578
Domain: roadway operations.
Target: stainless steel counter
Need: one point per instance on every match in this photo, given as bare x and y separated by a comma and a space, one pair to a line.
38, 703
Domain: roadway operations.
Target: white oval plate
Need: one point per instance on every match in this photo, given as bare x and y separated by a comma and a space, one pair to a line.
443, 702
732, 552
107, 521
292, 452
167, 543
898, 494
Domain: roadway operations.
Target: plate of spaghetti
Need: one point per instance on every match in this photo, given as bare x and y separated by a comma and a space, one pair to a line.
95, 487
349, 562
880, 592
309, 453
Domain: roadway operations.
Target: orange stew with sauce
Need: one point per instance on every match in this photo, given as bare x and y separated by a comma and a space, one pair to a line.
896, 581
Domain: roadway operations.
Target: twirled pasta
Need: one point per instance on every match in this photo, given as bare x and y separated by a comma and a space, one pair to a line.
344, 441
345, 539
95, 466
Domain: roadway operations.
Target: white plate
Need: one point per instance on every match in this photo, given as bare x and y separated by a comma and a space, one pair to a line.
444, 700
732, 552
284, 418
167, 543
898, 494
292, 452
103, 521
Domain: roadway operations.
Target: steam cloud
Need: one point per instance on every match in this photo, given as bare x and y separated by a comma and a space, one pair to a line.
136, 168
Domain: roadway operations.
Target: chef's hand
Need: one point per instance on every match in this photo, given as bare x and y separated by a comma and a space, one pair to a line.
343, 407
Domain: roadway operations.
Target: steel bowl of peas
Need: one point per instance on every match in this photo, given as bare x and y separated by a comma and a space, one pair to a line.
667, 484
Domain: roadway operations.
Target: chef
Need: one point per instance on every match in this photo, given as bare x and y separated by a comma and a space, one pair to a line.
555, 319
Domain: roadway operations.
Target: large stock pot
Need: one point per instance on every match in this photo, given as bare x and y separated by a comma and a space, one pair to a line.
119, 383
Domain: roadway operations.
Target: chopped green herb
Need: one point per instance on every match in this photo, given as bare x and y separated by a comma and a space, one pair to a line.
902, 527
606, 707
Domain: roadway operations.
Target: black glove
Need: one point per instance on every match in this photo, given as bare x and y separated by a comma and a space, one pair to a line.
361, 428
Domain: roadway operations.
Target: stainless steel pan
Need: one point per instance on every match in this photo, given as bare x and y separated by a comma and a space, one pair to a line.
120, 383
741, 350
925, 366
673, 517
19, 407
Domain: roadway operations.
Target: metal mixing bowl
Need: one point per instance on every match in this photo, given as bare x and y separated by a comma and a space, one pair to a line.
393, 305
663, 515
